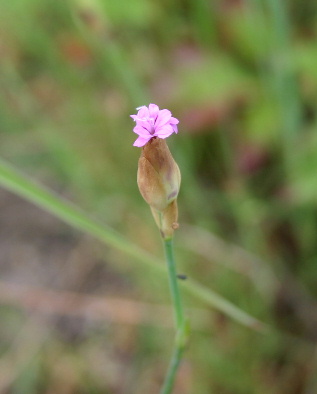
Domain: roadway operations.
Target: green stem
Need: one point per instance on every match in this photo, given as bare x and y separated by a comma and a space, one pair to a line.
173, 282
172, 369
181, 326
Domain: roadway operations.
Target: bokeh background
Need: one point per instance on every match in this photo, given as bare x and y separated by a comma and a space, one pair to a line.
78, 316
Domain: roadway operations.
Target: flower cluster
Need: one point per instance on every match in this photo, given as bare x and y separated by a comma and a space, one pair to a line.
153, 122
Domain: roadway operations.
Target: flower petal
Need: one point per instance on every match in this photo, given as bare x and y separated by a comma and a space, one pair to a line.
164, 131
175, 129
140, 141
143, 112
163, 117
174, 120
141, 131
145, 124
153, 111
164, 136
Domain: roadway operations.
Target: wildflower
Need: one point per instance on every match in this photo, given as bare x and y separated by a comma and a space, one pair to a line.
158, 174
152, 122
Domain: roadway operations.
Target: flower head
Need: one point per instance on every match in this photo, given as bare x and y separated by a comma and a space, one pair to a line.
153, 122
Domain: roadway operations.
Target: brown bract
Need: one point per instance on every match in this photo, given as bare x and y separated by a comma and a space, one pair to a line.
159, 182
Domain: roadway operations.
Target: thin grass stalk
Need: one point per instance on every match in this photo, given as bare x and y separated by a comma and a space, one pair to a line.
181, 329
19, 184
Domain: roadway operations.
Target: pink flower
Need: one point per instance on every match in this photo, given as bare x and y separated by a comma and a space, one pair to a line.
153, 122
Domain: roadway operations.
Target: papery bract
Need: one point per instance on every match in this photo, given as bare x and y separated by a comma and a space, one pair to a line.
153, 122
159, 181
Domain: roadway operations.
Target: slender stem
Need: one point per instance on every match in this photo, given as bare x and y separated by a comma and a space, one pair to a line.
180, 323
173, 282
172, 369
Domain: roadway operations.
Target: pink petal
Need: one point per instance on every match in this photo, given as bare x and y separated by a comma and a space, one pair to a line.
141, 141
141, 131
163, 117
174, 120
164, 136
153, 110
175, 129
164, 131
145, 124
143, 112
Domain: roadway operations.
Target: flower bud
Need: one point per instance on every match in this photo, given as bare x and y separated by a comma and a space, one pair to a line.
159, 182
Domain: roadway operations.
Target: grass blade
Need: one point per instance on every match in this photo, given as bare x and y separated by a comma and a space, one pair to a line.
19, 184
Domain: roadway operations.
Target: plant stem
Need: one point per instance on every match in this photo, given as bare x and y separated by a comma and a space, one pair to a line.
172, 369
173, 282
180, 323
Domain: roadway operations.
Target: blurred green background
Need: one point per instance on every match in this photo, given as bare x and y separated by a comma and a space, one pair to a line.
241, 76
